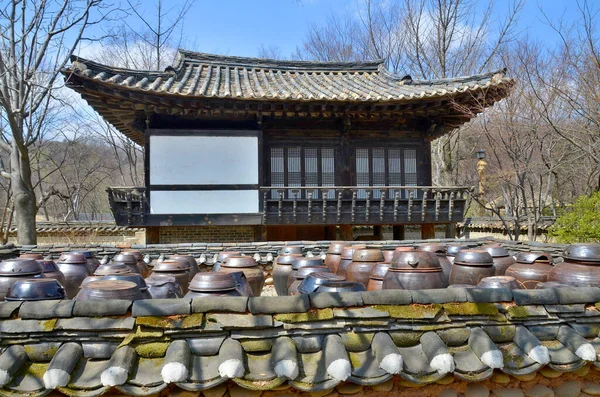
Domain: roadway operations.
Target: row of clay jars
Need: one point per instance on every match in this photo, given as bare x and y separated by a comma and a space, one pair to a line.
49, 268
439, 251
334, 255
531, 269
300, 262
413, 270
375, 282
302, 273
501, 257
470, 266
363, 262
580, 268
281, 272
251, 270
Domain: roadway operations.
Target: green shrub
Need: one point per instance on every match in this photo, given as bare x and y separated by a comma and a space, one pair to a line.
580, 222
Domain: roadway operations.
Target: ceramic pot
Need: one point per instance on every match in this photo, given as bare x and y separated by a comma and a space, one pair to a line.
314, 280
35, 290
340, 286
470, 266
113, 269
92, 261
211, 284
499, 282
13, 270
376, 276
531, 268
334, 255
440, 251
128, 260
163, 287
502, 258
242, 285
75, 269
194, 269
291, 249
50, 270
452, 250
135, 278
180, 270
247, 265
363, 262
144, 270
302, 273
222, 256
581, 266
110, 289
414, 270
281, 272
388, 255
346, 258
301, 262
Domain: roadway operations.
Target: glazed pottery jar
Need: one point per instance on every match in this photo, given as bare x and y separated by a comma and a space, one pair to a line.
178, 269
363, 262
414, 270
109, 289
31, 255
346, 258
302, 273
194, 269
209, 284
281, 272
135, 278
112, 268
499, 282
222, 256
291, 249
247, 265
163, 287
470, 266
452, 250
12, 270
439, 251
128, 260
531, 268
302, 262
502, 259
50, 270
75, 269
334, 255
92, 261
341, 286
241, 282
144, 270
35, 289
388, 255
314, 280
376, 276
581, 266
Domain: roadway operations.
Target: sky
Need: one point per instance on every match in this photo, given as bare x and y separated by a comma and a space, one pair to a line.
240, 27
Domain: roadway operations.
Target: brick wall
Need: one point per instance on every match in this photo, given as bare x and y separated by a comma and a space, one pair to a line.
206, 234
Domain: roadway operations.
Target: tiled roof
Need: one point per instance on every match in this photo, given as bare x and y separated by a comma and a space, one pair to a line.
348, 341
214, 76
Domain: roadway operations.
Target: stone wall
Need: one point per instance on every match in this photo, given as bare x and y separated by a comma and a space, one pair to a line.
208, 234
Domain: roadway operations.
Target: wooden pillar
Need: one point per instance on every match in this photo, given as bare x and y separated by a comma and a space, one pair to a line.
378, 232
451, 230
346, 233
153, 235
260, 233
330, 233
427, 231
398, 232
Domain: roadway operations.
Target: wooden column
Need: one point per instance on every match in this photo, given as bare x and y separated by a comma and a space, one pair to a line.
153, 235
346, 233
260, 233
427, 231
378, 232
398, 232
330, 233
451, 230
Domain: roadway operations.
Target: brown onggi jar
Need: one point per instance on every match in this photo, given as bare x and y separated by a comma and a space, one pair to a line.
221, 256
581, 266
75, 269
281, 272
531, 269
334, 255
163, 287
502, 258
212, 284
414, 270
110, 289
346, 258
50, 270
452, 250
144, 270
440, 251
363, 262
247, 265
12, 270
314, 280
301, 262
291, 249
470, 266
92, 261
194, 269
180, 270
128, 260
302, 273
376, 276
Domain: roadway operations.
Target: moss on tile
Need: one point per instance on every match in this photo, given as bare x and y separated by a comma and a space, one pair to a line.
37, 370
257, 345
140, 334
470, 309
357, 341
518, 311
356, 359
414, 311
259, 384
312, 315
152, 350
30, 350
48, 325
406, 338
171, 322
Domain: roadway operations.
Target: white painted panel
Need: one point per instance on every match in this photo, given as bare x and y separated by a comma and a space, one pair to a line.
203, 160
204, 202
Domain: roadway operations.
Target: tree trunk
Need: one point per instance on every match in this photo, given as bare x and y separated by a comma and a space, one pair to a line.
23, 196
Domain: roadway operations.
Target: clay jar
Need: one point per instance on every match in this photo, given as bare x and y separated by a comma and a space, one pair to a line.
314, 280
222, 256
49, 268
531, 269
75, 269
194, 269
499, 282
281, 272
35, 289
502, 258
209, 284
581, 266
470, 266
141, 263
247, 265
302, 273
340, 286
109, 289
439, 251
163, 287
452, 250
414, 270
302, 262
92, 262
112, 268
135, 278
180, 270
363, 262
128, 260
291, 249
388, 255
12, 270
376, 276
334, 255
346, 258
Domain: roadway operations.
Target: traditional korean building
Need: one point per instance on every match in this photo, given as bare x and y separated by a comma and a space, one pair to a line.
259, 149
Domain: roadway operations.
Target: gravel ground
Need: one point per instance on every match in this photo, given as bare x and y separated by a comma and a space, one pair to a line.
268, 290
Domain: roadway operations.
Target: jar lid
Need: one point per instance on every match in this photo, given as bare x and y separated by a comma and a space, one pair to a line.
137, 254
291, 249
112, 268
20, 267
287, 259
453, 249
35, 289
86, 254
137, 279
191, 260
171, 265
31, 256
110, 289
348, 250
156, 280
534, 257
475, 257
367, 255
128, 259
302, 262
411, 260
226, 254
239, 261
72, 259
496, 250
499, 282
47, 265
306, 270
314, 280
583, 253
341, 286
435, 248
379, 271
212, 281
336, 247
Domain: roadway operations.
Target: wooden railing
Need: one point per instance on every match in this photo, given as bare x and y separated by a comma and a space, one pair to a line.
363, 205
129, 203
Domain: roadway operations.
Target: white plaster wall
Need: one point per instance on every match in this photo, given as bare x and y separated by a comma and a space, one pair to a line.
204, 202
203, 160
